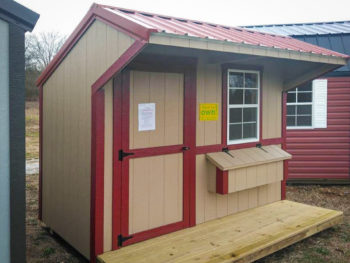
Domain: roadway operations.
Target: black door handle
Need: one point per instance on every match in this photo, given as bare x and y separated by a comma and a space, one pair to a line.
185, 148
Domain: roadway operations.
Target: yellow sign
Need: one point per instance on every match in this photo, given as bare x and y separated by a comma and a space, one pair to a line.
208, 111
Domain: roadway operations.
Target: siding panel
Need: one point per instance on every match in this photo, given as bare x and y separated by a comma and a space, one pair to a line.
67, 133
324, 153
211, 205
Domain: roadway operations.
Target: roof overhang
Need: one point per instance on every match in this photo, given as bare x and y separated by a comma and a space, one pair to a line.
242, 48
150, 35
17, 14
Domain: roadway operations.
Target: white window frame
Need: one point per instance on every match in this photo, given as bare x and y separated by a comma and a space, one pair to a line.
302, 103
240, 141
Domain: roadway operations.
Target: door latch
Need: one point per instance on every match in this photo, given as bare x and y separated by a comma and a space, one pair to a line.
123, 154
185, 148
122, 239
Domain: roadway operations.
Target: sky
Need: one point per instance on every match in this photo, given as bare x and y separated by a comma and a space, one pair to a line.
64, 15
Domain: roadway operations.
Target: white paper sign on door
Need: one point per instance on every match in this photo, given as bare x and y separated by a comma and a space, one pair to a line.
147, 116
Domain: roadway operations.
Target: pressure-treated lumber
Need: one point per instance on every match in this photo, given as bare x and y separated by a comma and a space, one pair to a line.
242, 237
247, 157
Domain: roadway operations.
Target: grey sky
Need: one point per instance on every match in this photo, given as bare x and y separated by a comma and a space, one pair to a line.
64, 15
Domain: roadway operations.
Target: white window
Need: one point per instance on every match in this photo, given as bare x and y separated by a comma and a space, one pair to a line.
307, 105
243, 106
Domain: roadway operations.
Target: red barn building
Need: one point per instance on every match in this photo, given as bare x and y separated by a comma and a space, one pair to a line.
318, 113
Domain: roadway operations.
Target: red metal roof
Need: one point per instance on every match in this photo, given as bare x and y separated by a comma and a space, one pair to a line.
140, 25
198, 29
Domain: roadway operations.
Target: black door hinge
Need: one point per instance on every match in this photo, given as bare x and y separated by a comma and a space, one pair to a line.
259, 145
226, 150
123, 154
122, 239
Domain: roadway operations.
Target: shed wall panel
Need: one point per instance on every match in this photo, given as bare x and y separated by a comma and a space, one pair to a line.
155, 191
166, 91
211, 205
67, 132
272, 85
209, 90
324, 153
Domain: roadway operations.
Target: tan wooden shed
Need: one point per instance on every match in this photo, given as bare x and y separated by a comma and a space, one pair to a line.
151, 124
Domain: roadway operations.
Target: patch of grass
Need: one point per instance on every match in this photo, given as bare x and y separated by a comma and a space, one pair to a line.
32, 130
32, 221
32, 118
34, 134
345, 236
48, 251
322, 250
312, 256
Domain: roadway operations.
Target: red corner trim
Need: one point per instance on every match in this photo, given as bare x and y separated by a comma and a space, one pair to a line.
97, 174
121, 62
284, 135
97, 148
190, 141
40, 216
221, 182
95, 12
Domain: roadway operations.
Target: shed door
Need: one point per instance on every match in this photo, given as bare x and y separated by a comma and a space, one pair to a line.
152, 154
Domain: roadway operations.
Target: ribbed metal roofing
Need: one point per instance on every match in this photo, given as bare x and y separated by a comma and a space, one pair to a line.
198, 29
324, 28
330, 35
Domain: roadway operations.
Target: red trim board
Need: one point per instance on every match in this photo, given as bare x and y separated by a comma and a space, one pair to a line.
97, 173
124, 138
97, 144
117, 66
117, 166
190, 102
121, 173
221, 181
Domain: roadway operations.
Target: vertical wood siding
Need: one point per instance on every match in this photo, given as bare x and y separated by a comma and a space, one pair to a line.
209, 89
324, 153
251, 177
155, 191
166, 91
271, 104
67, 132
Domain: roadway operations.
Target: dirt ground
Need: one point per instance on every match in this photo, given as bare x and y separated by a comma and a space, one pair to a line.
331, 246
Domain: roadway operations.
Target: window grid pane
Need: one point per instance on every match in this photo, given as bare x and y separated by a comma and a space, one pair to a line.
299, 106
243, 101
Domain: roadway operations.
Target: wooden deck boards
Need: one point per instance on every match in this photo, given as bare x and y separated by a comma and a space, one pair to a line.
242, 237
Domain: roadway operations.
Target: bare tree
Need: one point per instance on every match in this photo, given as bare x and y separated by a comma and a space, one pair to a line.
41, 48
39, 51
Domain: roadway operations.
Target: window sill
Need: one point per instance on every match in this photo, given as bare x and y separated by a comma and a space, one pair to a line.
301, 128
242, 141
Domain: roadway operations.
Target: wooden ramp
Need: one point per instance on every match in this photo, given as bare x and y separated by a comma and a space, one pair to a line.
242, 237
